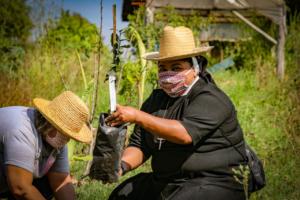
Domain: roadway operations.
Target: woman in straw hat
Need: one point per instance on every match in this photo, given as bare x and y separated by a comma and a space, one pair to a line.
181, 126
33, 152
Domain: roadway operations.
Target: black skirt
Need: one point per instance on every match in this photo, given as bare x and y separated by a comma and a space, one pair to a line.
145, 186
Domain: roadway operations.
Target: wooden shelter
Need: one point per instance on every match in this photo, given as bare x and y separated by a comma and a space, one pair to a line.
225, 11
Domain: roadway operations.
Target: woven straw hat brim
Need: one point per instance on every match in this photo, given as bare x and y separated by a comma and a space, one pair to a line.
197, 51
84, 135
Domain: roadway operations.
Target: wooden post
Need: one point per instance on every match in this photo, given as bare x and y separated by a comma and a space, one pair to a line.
114, 23
149, 15
280, 46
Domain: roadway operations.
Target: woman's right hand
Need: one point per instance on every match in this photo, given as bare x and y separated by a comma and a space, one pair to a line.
123, 114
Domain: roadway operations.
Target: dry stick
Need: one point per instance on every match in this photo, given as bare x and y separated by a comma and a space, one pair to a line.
119, 78
114, 41
97, 69
59, 72
82, 70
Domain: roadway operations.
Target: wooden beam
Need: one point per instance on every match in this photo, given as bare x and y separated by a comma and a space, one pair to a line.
270, 38
137, 3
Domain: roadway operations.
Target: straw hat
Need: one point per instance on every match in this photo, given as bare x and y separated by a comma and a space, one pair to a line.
176, 43
68, 114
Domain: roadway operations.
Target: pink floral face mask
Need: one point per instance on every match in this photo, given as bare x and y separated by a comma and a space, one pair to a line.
58, 141
173, 83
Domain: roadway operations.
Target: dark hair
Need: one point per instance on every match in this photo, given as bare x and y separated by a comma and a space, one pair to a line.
203, 73
40, 122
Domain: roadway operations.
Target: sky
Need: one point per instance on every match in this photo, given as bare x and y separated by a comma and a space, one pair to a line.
90, 9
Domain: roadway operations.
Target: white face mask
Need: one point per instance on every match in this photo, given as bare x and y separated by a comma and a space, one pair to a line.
58, 141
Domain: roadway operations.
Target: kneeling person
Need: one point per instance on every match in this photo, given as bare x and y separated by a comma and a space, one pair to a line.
33, 153
184, 127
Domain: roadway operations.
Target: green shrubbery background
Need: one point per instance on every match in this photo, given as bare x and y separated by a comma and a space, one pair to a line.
64, 54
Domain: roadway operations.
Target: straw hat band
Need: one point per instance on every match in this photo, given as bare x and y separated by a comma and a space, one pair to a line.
175, 50
72, 116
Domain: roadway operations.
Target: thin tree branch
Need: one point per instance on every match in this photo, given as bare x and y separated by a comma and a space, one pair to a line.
97, 68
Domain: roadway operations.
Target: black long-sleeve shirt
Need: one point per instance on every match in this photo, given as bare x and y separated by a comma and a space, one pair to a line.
204, 112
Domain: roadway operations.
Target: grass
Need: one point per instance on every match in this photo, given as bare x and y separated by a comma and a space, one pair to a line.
91, 189
268, 109
262, 111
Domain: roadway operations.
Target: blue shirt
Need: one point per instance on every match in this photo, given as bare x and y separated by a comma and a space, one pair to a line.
22, 146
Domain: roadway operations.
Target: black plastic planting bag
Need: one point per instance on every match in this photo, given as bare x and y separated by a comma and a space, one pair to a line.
108, 151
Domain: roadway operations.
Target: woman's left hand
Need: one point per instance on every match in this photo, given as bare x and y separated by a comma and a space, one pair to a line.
123, 114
